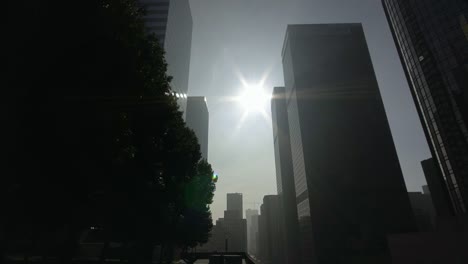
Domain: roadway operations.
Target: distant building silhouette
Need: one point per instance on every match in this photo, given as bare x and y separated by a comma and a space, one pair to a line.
197, 118
229, 232
350, 191
432, 40
253, 246
235, 227
216, 242
272, 243
423, 211
235, 231
285, 174
251, 215
171, 22
437, 188
234, 203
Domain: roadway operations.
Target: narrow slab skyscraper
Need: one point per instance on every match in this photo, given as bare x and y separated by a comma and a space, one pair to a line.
285, 175
197, 118
350, 191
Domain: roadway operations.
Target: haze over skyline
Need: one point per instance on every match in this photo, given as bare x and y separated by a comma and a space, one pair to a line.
243, 39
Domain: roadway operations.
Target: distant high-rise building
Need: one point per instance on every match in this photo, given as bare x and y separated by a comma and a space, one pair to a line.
229, 232
437, 188
217, 240
235, 231
350, 191
234, 203
253, 246
197, 118
251, 215
171, 22
423, 211
271, 231
285, 174
431, 37
426, 189
261, 237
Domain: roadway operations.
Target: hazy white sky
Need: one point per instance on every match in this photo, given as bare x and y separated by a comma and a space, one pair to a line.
246, 37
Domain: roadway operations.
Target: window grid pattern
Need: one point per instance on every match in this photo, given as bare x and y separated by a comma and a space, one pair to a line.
297, 151
157, 13
434, 48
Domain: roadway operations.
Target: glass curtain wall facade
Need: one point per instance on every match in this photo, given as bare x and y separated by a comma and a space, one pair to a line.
350, 192
432, 40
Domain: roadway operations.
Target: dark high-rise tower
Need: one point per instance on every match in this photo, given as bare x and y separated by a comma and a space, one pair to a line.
197, 118
234, 203
432, 40
284, 174
171, 22
350, 191
271, 231
436, 186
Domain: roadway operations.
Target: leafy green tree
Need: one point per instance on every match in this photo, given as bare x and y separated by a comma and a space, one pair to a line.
196, 221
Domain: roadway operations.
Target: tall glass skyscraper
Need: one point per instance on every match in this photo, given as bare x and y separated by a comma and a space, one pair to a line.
432, 39
171, 22
350, 192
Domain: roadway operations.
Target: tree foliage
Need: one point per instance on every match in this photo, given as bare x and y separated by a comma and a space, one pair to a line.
95, 137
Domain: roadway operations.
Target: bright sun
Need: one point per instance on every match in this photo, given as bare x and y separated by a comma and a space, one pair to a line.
254, 98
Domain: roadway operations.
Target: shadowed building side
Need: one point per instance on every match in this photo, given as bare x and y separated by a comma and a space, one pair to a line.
272, 244
437, 188
431, 37
284, 174
350, 191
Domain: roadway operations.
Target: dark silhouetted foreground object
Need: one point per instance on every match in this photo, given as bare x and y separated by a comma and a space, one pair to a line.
171, 22
98, 149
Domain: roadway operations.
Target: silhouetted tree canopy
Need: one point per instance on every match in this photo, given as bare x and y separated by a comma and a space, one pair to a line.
95, 137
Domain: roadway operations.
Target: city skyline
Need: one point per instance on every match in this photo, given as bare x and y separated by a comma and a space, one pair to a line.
217, 64
247, 131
